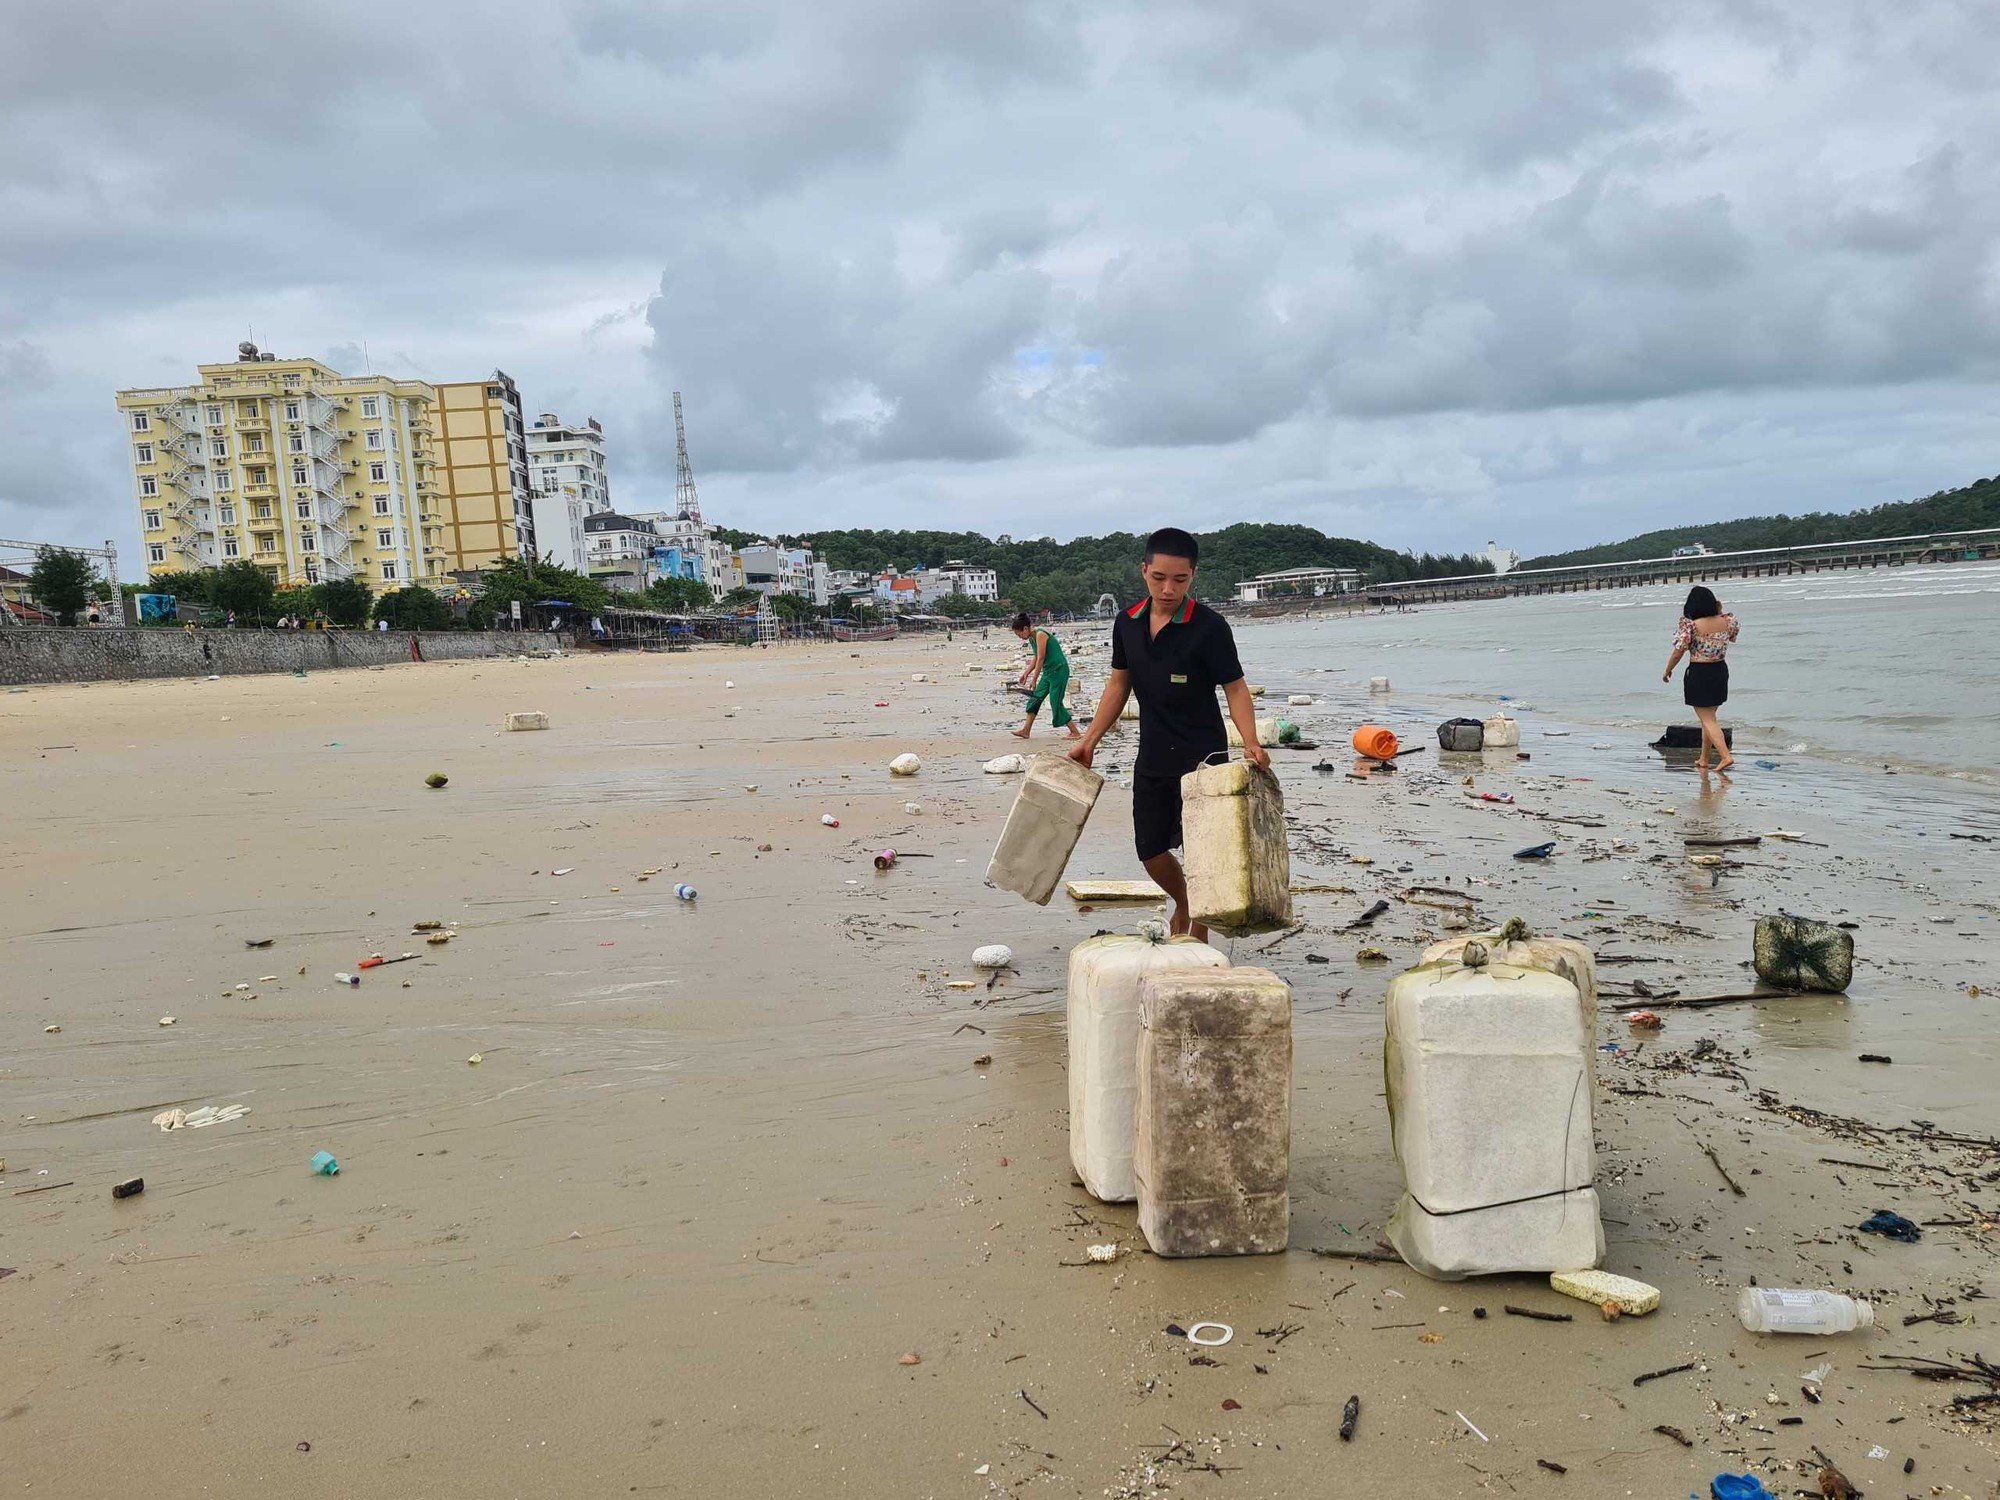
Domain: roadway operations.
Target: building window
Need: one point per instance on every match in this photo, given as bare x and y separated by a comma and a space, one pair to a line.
385, 539
305, 541
247, 408
152, 520
298, 473
141, 422
253, 442
257, 476
226, 515
291, 411
496, 393
312, 572
389, 571
230, 548
156, 552
214, 415
222, 479
373, 439
267, 543
371, 406
148, 485
261, 511
143, 454
305, 510
296, 442
381, 505
378, 472
218, 448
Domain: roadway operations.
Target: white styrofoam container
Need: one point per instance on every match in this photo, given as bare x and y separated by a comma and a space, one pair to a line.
527, 720
1043, 826
1490, 1083
1239, 870
1104, 977
1502, 733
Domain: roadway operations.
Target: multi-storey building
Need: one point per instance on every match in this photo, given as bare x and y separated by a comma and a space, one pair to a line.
571, 483
484, 473
308, 473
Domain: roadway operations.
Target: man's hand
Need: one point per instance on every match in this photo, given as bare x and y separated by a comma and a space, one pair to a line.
1258, 756
1083, 750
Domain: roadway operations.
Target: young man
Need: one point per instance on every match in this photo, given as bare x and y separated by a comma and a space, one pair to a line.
1174, 653
1049, 672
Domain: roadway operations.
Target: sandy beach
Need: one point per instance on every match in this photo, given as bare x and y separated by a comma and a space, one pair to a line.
723, 1164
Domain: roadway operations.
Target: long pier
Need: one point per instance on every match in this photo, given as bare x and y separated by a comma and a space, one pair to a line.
1762, 562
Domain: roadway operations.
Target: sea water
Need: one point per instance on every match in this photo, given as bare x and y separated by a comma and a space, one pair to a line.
1888, 666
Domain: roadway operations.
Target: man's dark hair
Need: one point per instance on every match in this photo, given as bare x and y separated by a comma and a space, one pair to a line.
1174, 543
1020, 621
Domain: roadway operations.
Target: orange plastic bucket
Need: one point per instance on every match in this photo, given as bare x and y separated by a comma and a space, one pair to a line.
1375, 742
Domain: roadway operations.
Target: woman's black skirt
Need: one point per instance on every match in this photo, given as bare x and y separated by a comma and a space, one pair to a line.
1706, 684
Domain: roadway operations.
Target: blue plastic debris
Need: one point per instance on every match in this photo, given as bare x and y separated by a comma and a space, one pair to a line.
324, 1164
1738, 1487
1891, 1225
1765, 765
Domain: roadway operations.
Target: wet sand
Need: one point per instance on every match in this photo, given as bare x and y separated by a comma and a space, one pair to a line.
721, 1165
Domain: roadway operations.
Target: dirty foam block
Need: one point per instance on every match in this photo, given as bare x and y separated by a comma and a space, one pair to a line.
529, 720
1797, 953
1212, 1150
1634, 1298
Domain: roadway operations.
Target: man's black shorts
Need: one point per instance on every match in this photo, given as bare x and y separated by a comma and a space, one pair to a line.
1156, 814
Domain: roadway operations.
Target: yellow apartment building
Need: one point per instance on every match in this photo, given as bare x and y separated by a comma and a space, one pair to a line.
310, 474
483, 472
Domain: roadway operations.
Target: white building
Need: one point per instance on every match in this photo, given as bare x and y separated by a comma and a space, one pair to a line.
1504, 559
1315, 582
558, 517
618, 550
771, 569
973, 583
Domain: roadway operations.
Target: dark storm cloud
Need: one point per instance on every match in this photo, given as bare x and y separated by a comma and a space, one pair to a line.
1431, 257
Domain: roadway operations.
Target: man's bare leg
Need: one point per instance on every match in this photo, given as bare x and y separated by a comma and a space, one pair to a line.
1166, 873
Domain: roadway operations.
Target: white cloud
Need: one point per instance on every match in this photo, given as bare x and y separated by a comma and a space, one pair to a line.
1427, 272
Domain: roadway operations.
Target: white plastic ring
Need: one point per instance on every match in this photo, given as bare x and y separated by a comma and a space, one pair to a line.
1194, 1335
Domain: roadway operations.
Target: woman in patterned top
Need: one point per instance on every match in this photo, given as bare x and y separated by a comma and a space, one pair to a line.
1703, 637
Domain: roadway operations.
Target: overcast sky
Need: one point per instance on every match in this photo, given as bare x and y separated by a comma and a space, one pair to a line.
1422, 271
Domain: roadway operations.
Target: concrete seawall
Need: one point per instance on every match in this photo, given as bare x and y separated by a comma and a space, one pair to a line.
30, 655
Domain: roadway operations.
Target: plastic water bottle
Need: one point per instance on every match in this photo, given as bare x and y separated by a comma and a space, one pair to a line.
348, 979
684, 891
324, 1165
1774, 1309
829, 820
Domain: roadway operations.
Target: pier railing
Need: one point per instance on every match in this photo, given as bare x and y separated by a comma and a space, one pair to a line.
1760, 562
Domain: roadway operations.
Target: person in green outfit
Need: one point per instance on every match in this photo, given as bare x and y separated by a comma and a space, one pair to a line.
1049, 672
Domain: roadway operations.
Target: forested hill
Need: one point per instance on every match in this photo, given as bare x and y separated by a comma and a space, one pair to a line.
1070, 575
1977, 505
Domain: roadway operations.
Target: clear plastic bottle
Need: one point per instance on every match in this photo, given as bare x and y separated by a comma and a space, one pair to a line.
1774, 1309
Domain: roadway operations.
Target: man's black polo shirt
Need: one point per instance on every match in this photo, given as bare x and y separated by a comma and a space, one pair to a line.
1175, 675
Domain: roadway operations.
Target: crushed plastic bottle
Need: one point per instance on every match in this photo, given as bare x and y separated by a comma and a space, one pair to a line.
1773, 1309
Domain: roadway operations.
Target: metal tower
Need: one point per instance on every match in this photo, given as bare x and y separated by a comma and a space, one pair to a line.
686, 502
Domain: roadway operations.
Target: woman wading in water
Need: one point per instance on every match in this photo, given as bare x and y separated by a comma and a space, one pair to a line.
1703, 637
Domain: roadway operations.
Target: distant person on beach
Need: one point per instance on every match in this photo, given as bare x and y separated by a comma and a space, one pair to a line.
1174, 653
1703, 637
1049, 672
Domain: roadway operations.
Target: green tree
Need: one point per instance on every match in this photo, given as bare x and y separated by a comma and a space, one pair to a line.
300, 600
741, 598
243, 587
413, 608
793, 607
508, 579
344, 600
61, 582
187, 586
677, 595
